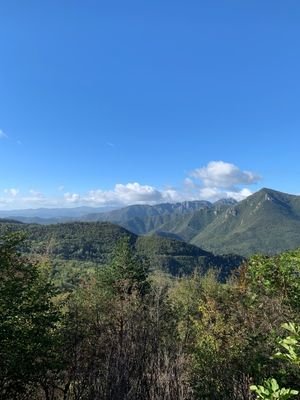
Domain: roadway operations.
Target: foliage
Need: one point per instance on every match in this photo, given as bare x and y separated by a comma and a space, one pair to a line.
27, 321
122, 331
120, 337
96, 242
128, 272
231, 329
271, 391
276, 276
290, 344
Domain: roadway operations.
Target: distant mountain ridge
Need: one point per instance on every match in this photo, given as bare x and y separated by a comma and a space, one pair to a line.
144, 210
51, 215
92, 213
181, 221
166, 218
267, 222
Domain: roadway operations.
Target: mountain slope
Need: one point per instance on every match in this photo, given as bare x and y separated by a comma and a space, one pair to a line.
187, 226
180, 220
267, 222
95, 242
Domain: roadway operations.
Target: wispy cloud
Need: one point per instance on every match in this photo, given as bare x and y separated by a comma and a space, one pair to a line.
3, 135
36, 194
12, 192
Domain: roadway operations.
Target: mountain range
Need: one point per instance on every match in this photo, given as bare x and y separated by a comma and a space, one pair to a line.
51, 215
267, 222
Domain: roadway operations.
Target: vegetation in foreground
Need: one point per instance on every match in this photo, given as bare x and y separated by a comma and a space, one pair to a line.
120, 333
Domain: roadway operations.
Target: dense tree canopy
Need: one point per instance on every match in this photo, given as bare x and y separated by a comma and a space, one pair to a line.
121, 332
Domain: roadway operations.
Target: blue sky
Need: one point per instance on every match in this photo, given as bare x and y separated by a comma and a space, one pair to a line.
120, 102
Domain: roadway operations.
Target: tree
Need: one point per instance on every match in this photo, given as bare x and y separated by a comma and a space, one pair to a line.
120, 336
27, 322
276, 276
230, 332
128, 273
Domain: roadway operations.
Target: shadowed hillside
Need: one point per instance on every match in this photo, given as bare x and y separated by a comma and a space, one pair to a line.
95, 242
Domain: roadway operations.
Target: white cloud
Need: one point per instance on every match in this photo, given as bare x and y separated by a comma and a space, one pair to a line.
72, 197
14, 199
220, 174
214, 194
123, 194
212, 182
210, 194
12, 192
3, 135
220, 179
241, 195
134, 192
36, 194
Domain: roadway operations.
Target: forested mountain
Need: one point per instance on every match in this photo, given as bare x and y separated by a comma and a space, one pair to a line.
139, 219
146, 211
95, 242
180, 220
266, 222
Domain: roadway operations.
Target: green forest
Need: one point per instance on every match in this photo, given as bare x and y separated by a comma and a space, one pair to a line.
127, 331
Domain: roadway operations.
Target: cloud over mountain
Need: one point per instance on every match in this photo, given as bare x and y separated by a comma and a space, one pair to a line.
216, 180
220, 174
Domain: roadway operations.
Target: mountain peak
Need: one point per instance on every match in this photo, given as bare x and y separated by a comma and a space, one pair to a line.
226, 202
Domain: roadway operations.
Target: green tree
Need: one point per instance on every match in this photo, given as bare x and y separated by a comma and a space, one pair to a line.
120, 336
27, 322
276, 276
127, 272
230, 332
